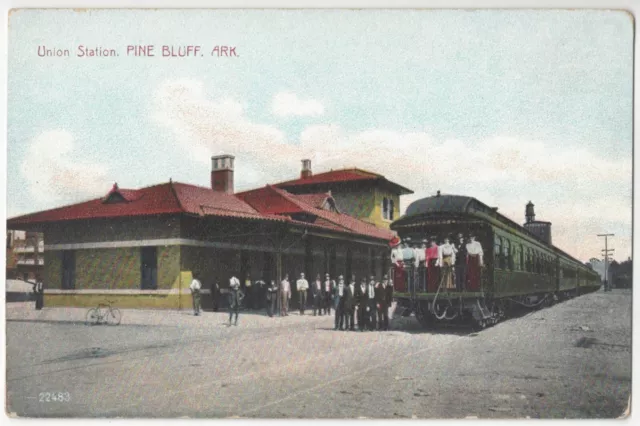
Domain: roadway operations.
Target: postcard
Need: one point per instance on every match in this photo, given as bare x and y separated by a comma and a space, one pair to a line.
431, 219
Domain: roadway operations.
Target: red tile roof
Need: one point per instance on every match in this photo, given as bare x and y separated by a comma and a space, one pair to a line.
343, 175
316, 200
283, 202
268, 203
166, 198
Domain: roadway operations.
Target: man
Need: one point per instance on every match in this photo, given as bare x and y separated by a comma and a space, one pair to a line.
420, 264
371, 303
234, 298
215, 295
285, 295
317, 292
272, 298
248, 292
329, 285
349, 305
381, 303
302, 286
38, 289
195, 287
389, 300
338, 300
362, 303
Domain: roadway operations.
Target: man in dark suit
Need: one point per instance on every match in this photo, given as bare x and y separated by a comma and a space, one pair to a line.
339, 296
371, 303
317, 293
380, 298
350, 305
362, 303
388, 299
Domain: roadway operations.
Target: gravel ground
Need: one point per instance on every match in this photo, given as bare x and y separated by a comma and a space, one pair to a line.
572, 360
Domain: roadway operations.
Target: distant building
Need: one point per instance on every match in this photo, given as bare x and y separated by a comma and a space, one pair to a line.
25, 257
359, 193
140, 247
540, 229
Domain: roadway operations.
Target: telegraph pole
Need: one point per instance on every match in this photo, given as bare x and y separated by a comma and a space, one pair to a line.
605, 253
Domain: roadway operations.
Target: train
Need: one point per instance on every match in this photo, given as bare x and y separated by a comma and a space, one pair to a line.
501, 265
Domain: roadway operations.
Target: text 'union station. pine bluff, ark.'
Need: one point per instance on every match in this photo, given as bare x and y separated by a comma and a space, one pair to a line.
139, 247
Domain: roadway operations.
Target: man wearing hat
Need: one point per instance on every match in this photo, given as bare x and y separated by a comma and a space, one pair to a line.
371, 303
421, 271
362, 303
339, 295
329, 285
408, 256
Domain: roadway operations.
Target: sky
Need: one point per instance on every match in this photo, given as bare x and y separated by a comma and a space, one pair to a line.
505, 106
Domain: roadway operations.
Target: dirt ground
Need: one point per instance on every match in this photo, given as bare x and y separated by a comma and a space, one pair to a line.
572, 360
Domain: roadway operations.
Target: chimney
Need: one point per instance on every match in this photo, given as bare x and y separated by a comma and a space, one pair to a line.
222, 173
306, 169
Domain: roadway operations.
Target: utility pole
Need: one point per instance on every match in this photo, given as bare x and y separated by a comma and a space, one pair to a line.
605, 253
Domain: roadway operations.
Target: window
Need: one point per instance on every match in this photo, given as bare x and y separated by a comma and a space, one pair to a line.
390, 209
68, 269
529, 260
506, 257
521, 257
497, 251
148, 268
385, 208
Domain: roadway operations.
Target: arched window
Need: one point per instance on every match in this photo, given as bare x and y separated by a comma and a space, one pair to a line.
506, 255
521, 257
529, 260
497, 252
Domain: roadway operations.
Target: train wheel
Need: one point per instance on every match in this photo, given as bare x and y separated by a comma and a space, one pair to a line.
478, 325
423, 315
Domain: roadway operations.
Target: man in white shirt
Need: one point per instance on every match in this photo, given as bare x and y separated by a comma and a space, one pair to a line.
338, 300
285, 295
234, 298
329, 285
195, 288
302, 285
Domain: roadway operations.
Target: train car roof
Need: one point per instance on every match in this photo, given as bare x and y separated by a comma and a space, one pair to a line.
463, 204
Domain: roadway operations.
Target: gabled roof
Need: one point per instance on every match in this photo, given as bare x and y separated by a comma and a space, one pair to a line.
165, 198
275, 200
268, 203
343, 175
316, 200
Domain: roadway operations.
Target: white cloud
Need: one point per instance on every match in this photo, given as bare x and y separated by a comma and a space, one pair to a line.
55, 173
506, 172
287, 104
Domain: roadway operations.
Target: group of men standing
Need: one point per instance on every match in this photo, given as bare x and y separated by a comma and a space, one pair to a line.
370, 300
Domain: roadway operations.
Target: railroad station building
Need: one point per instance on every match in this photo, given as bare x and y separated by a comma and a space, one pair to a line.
139, 247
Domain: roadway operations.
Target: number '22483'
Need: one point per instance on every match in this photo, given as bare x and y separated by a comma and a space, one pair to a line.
54, 396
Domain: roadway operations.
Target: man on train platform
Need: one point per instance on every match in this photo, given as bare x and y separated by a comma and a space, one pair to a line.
362, 303
329, 285
302, 286
317, 294
389, 300
350, 305
195, 288
234, 298
371, 303
338, 303
381, 304
285, 296
272, 298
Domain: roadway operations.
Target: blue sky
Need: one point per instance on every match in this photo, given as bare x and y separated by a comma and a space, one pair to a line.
507, 106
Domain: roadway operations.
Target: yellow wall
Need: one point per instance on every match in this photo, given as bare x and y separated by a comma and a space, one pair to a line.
168, 267
52, 269
376, 214
117, 268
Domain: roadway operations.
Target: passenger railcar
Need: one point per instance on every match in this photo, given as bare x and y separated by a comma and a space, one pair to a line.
516, 268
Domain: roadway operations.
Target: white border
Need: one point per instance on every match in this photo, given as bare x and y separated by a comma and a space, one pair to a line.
630, 5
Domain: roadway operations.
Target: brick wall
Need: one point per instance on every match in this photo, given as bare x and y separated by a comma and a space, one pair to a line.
117, 268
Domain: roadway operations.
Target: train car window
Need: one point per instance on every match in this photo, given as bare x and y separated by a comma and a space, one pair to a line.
497, 251
506, 250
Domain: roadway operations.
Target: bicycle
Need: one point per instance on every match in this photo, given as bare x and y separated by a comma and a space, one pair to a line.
103, 313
